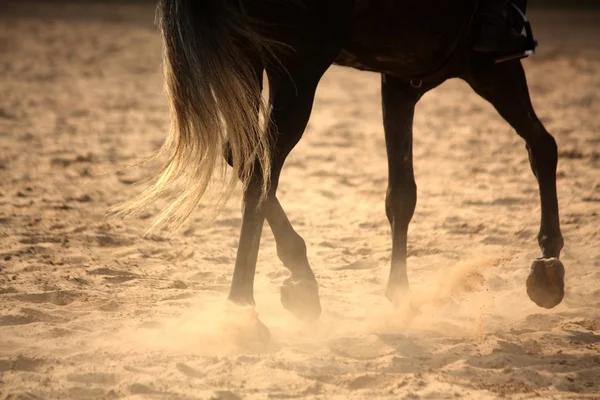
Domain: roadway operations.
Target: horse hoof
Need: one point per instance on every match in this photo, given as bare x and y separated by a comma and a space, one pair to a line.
546, 282
243, 325
396, 294
261, 332
301, 298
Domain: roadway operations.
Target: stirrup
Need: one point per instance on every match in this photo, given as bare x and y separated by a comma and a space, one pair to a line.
530, 45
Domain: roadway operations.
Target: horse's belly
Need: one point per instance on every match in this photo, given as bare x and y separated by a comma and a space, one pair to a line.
405, 38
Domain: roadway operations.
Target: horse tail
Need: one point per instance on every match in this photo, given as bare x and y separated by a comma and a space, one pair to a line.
215, 101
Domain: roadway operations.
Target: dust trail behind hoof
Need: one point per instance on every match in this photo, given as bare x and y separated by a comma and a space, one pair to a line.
454, 303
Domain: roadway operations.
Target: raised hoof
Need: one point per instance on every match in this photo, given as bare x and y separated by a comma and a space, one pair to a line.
301, 298
546, 282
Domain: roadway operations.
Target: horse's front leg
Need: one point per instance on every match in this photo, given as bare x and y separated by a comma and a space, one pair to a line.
504, 85
399, 101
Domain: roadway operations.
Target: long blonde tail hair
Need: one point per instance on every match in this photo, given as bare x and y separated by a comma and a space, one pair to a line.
214, 99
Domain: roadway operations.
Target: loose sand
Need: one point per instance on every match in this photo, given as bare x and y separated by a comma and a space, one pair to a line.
89, 309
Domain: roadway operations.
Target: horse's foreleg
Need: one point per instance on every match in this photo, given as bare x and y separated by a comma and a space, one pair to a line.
505, 86
399, 101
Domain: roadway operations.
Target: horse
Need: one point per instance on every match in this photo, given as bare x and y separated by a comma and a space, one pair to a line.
215, 55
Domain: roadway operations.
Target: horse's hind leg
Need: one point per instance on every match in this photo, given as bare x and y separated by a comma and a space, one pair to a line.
504, 85
399, 101
302, 287
300, 292
313, 34
291, 98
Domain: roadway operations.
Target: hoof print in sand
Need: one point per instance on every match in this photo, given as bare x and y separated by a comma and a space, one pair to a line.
360, 348
113, 275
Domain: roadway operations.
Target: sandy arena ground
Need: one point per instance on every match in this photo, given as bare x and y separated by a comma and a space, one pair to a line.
91, 310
